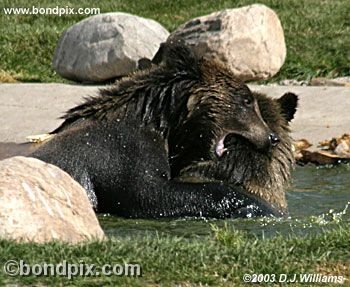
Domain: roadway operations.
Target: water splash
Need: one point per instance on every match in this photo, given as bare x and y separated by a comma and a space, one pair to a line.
331, 216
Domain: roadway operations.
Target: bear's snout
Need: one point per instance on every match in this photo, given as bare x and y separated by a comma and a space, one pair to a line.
274, 139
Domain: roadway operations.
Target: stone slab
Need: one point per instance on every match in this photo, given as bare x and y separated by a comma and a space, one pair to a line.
29, 109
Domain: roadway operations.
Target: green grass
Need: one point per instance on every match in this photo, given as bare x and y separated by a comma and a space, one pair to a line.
220, 259
317, 33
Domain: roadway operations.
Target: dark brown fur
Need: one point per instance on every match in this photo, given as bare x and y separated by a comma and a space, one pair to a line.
266, 175
191, 104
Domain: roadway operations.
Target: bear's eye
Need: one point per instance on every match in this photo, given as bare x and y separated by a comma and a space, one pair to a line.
247, 101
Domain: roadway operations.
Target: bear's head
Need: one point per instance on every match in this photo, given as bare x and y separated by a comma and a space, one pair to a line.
228, 133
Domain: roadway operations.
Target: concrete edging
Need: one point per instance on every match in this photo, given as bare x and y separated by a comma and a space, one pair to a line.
29, 109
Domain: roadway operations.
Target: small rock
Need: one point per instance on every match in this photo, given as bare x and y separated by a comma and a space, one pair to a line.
249, 40
320, 158
339, 82
39, 202
302, 144
334, 142
106, 46
343, 149
345, 80
333, 151
299, 146
292, 82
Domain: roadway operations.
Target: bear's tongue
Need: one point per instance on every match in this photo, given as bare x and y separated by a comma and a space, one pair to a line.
220, 147
224, 142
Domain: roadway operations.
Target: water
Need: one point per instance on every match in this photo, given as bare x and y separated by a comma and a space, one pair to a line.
318, 199
315, 191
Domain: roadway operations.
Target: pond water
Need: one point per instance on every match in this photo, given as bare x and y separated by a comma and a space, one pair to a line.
319, 198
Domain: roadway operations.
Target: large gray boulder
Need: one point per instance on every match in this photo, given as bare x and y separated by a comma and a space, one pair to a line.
39, 202
106, 46
249, 40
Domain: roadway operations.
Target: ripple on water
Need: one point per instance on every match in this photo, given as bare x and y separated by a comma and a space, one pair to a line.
318, 199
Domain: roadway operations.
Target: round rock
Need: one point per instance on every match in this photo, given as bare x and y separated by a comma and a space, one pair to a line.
106, 46
40, 202
249, 40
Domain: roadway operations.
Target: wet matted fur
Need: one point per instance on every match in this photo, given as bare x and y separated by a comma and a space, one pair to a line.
186, 138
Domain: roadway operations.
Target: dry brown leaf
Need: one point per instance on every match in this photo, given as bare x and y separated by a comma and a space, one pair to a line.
301, 144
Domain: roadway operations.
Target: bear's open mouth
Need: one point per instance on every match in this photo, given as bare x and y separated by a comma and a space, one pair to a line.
225, 142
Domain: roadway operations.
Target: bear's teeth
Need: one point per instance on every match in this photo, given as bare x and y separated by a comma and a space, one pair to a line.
220, 147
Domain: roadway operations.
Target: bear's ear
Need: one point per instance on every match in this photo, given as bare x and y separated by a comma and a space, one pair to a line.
175, 54
288, 103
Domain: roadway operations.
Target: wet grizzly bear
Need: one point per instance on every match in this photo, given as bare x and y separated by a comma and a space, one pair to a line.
185, 138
